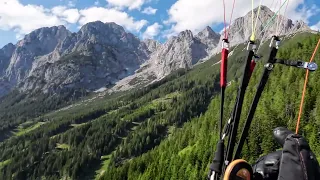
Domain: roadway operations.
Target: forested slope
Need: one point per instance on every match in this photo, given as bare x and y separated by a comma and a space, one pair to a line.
165, 131
188, 153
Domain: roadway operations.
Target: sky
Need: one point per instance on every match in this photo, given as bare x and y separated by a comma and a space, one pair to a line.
147, 19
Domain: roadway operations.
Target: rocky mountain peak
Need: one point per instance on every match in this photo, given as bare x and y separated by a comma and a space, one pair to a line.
187, 34
98, 26
207, 33
98, 55
8, 49
152, 45
241, 28
48, 35
98, 32
115, 27
263, 8
39, 42
181, 51
209, 38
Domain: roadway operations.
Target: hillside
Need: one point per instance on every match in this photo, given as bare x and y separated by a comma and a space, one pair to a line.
165, 131
51, 68
187, 153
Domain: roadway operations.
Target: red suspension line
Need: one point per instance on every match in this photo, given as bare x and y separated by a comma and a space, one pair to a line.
230, 18
224, 18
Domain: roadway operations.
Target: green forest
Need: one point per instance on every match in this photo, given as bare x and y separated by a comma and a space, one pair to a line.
167, 130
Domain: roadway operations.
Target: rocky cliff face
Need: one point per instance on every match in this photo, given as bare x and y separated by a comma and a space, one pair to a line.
152, 45
241, 28
22, 56
38, 43
104, 54
182, 51
187, 49
210, 39
98, 55
5, 56
54, 59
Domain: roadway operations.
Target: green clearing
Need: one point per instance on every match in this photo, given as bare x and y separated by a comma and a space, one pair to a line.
93, 102
27, 127
186, 150
166, 99
78, 125
4, 163
104, 165
63, 146
26, 124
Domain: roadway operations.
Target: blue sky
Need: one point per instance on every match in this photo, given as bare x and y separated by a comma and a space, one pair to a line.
156, 19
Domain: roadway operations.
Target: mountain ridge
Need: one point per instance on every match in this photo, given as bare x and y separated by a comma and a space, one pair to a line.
240, 32
52, 59
240, 29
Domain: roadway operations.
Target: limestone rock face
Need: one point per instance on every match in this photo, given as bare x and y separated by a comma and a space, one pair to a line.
152, 45
241, 28
103, 55
54, 59
5, 56
182, 51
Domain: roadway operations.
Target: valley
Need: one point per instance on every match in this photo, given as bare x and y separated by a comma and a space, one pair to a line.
103, 104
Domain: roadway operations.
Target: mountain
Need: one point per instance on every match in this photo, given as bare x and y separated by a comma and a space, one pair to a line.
186, 49
98, 55
26, 52
178, 52
241, 28
181, 51
54, 59
209, 38
38, 43
105, 56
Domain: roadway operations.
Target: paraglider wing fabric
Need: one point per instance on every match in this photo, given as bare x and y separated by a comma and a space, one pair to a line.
298, 162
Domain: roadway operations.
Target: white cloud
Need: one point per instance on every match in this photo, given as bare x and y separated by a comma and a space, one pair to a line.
303, 13
190, 14
97, 3
23, 19
72, 3
68, 15
316, 27
131, 4
149, 10
152, 31
111, 15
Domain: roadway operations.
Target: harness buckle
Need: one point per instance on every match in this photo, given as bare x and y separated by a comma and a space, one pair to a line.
225, 44
275, 42
256, 57
251, 46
